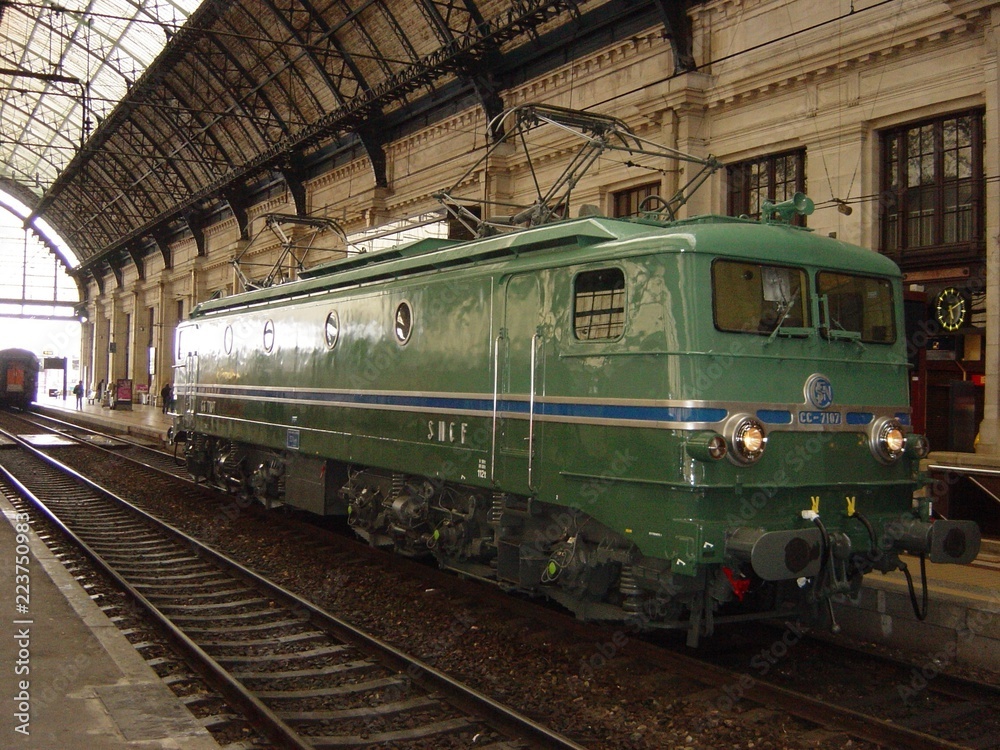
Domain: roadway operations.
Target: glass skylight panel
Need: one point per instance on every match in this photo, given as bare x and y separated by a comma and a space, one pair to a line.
98, 49
27, 269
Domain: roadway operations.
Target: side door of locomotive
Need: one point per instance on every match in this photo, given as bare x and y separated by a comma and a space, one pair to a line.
521, 374
185, 369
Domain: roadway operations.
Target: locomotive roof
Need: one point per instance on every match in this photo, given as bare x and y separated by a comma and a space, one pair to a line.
584, 239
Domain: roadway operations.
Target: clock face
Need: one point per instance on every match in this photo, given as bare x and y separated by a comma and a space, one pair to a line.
951, 309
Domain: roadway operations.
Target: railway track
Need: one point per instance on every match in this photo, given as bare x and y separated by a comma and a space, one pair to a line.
142, 452
914, 702
309, 679
833, 696
730, 687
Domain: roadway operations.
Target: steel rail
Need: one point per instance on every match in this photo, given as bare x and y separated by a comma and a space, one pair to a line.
942, 683
460, 695
828, 715
67, 425
275, 729
65, 428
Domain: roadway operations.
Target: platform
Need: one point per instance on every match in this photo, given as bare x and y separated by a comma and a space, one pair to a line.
83, 684
963, 617
140, 421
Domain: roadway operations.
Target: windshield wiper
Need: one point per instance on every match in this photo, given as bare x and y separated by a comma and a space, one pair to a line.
784, 316
839, 333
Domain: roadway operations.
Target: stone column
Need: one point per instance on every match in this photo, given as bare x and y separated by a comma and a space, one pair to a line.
989, 429
87, 370
687, 100
163, 338
119, 337
99, 354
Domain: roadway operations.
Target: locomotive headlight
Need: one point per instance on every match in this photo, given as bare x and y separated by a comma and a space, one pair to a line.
887, 439
706, 446
747, 438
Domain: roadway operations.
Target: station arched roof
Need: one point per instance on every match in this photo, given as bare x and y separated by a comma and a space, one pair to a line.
142, 120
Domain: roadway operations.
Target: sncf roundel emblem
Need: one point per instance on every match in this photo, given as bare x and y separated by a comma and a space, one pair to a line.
819, 391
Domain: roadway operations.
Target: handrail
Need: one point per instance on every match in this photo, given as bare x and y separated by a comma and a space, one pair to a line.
964, 469
496, 389
970, 471
531, 412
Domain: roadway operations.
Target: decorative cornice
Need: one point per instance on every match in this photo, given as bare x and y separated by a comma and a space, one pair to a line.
940, 32
347, 172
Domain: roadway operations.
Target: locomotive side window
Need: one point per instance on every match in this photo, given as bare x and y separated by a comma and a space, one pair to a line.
599, 304
757, 298
331, 331
858, 304
403, 322
268, 336
185, 337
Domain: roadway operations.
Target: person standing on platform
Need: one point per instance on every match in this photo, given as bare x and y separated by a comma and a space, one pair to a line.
78, 392
100, 390
167, 397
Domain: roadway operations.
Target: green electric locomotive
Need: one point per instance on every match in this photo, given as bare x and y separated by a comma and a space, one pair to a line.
672, 423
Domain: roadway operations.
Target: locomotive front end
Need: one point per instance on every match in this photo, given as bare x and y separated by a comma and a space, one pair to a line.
813, 477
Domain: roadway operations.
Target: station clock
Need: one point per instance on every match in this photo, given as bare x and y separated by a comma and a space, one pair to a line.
951, 309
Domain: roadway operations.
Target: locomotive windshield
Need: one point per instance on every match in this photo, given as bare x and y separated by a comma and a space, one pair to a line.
765, 299
857, 304
758, 298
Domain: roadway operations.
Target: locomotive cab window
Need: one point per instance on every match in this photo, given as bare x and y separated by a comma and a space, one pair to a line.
599, 304
856, 307
759, 298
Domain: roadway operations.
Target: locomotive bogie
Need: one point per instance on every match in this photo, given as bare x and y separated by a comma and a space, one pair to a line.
627, 417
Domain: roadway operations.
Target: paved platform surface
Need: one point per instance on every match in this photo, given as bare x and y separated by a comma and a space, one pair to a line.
80, 682
142, 421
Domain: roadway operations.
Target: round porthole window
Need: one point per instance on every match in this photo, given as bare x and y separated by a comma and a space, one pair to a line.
268, 336
227, 340
332, 329
403, 322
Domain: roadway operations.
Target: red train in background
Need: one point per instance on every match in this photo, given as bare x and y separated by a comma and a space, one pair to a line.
18, 378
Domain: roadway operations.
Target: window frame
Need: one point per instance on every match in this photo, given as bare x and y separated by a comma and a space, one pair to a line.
824, 323
805, 289
894, 231
740, 191
611, 325
625, 203
332, 316
403, 338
